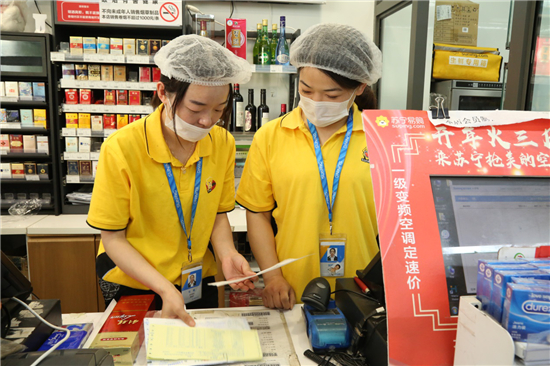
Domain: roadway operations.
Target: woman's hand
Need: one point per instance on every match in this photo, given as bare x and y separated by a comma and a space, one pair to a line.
173, 306
236, 266
278, 293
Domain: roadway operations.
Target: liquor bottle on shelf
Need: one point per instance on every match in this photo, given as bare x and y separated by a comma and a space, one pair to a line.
250, 113
204, 31
263, 109
237, 118
282, 46
264, 54
283, 110
256, 49
274, 40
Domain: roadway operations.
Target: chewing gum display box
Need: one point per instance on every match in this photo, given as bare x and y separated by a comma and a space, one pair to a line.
526, 310
122, 334
500, 279
235, 36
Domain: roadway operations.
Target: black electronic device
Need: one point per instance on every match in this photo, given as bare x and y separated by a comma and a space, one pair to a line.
372, 276
317, 294
68, 357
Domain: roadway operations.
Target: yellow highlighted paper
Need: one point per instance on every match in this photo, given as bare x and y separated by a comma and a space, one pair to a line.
168, 342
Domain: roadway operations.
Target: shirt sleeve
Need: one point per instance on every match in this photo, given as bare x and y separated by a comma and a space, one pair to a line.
255, 191
227, 201
110, 205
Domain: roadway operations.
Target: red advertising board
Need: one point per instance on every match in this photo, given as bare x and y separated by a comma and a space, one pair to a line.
406, 151
78, 11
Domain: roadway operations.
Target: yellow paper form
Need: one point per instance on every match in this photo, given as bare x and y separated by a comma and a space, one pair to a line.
168, 342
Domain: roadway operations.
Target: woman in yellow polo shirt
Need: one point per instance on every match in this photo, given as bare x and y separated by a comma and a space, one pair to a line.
165, 182
310, 172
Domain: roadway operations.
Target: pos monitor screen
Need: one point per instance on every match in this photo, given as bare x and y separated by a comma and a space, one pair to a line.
476, 216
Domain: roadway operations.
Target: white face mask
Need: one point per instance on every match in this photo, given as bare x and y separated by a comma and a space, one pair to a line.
322, 114
185, 130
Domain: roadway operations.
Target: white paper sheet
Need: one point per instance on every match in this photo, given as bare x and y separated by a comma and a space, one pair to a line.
461, 119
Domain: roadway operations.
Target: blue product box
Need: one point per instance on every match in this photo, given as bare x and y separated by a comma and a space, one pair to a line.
526, 310
531, 281
39, 91
79, 335
500, 279
25, 90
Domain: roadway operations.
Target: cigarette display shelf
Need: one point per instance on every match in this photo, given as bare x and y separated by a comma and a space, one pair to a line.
26, 57
117, 85
98, 58
76, 179
102, 108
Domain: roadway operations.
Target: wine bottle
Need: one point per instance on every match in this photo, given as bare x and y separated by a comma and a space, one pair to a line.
262, 108
237, 118
204, 31
282, 46
283, 110
256, 49
274, 40
264, 54
250, 113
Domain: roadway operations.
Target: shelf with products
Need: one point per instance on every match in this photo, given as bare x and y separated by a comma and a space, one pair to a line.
117, 85
102, 108
17, 128
58, 57
26, 181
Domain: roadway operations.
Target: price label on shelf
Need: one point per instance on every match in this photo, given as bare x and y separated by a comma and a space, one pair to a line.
32, 177
95, 108
3, 152
253, 68
68, 131
11, 125
84, 132
276, 68
73, 179
94, 57
94, 156
108, 132
117, 59
135, 59
104, 85
57, 56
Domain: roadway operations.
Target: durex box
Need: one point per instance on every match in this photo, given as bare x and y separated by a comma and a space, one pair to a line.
500, 279
526, 310
483, 290
531, 281
122, 334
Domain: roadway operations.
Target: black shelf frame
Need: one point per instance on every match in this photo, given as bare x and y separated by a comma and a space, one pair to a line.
51, 185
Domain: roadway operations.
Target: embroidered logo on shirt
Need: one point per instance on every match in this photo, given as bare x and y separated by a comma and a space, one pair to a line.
365, 158
210, 185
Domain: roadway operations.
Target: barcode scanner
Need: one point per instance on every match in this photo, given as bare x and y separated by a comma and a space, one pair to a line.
317, 294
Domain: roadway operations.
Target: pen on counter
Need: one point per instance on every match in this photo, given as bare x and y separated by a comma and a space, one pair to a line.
361, 285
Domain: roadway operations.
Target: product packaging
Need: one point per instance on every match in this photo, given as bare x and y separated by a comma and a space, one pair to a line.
40, 119
16, 143
5, 142
110, 97
133, 75
89, 45
135, 97
79, 336
106, 72
81, 71
154, 46
94, 167
68, 71
12, 115
39, 91
120, 73
43, 170
86, 96
156, 74
76, 45
84, 144
27, 118
122, 97
42, 145
456, 22
109, 122
3, 115
97, 123
116, 46
133, 118
85, 168
121, 120
25, 90
71, 96
72, 167
71, 144
103, 45
165, 42
143, 47
17, 171
30, 168
12, 89
5, 170
71, 120
94, 72
235, 36
144, 74
129, 46
84, 120
29, 143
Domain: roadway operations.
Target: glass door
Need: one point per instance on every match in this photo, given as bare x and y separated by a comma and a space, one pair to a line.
538, 93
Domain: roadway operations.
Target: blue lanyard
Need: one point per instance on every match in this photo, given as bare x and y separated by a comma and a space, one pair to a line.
177, 202
339, 165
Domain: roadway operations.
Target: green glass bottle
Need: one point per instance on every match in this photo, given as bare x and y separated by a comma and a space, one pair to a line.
256, 49
274, 40
264, 54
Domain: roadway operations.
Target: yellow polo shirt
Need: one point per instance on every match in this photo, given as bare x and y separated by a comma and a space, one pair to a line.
131, 192
281, 174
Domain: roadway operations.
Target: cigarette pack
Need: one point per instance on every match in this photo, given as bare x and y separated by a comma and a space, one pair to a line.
68, 71
16, 143
42, 145
2, 89
122, 97
71, 120
27, 118
17, 171
129, 46
71, 144
133, 118
43, 170
84, 120
133, 75
29, 144
165, 42
4, 142
25, 90
12, 89
144, 74
79, 336
72, 167
110, 97
76, 45
103, 45
154, 46
122, 334
12, 115
94, 72
143, 47
3, 115
39, 91
71, 96
86, 168
89, 45
109, 122
121, 120
235, 36
40, 118
107, 72
120, 73
94, 167
81, 71
85, 96
97, 123
135, 97
156, 74
30, 168
116, 46
84, 144
5, 170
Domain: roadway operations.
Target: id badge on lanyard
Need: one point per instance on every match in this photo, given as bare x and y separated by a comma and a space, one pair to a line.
191, 273
332, 246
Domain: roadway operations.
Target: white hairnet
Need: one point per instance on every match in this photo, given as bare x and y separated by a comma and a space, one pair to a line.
200, 60
338, 48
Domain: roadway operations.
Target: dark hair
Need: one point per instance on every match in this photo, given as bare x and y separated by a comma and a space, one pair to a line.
179, 88
367, 100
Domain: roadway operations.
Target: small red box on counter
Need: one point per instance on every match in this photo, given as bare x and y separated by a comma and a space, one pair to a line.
145, 74
71, 96
135, 97
85, 96
133, 118
249, 298
109, 122
156, 74
110, 97
122, 97
235, 36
